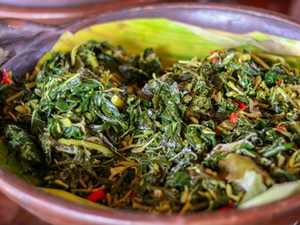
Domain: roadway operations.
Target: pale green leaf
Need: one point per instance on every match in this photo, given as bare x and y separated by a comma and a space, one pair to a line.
236, 166
226, 148
275, 193
253, 184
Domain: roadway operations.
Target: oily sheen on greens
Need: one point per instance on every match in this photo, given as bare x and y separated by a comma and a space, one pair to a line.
203, 135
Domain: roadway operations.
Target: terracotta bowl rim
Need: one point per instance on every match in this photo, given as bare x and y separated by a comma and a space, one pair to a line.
13, 186
72, 12
235, 8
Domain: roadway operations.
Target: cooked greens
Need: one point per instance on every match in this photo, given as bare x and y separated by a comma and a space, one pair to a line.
119, 130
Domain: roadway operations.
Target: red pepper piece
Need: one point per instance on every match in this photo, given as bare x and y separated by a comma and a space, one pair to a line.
215, 59
282, 128
132, 195
213, 53
226, 207
279, 82
233, 118
240, 103
243, 109
97, 195
5, 78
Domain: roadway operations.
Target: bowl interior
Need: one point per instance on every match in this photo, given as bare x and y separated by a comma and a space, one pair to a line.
23, 43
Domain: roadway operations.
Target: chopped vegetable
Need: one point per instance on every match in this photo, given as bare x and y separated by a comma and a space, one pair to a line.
282, 127
227, 207
233, 117
5, 78
279, 81
240, 103
97, 195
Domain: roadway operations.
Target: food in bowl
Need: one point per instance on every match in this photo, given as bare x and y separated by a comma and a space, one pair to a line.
118, 129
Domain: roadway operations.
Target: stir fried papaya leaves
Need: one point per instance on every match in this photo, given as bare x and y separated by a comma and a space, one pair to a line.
274, 74
24, 147
206, 134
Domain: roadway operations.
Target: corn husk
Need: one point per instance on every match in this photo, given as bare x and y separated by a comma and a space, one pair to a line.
175, 41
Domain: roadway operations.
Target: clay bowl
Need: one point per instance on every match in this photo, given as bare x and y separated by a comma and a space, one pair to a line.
61, 11
24, 43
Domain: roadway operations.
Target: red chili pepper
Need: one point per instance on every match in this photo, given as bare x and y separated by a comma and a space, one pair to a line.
5, 78
233, 118
240, 103
132, 195
279, 82
97, 195
226, 207
213, 53
282, 128
243, 109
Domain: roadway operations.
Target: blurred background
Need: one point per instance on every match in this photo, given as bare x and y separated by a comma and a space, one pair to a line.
61, 11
